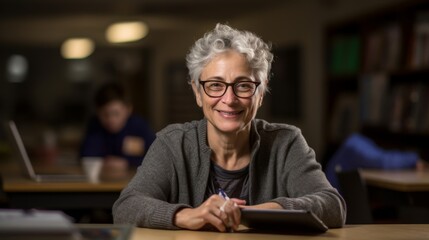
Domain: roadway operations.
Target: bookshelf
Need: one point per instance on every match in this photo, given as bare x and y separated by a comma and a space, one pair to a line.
377, 78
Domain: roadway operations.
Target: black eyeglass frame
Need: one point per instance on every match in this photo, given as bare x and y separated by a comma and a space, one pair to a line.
228, 85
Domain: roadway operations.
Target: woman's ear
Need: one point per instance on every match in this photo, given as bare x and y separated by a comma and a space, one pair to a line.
197, 94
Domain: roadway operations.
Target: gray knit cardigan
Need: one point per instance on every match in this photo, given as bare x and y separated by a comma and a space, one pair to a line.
175, 171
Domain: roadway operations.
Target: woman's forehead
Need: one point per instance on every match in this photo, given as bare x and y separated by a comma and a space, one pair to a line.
227, 62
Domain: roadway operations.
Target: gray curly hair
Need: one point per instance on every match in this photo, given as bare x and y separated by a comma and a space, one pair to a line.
223, 38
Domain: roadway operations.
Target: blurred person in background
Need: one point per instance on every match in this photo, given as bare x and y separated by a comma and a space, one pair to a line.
359, 151
116, 134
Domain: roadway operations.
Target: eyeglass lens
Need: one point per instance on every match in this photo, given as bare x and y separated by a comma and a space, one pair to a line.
241, 89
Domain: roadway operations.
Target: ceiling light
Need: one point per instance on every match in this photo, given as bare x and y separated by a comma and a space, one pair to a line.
126, 32
17, 67
77, 48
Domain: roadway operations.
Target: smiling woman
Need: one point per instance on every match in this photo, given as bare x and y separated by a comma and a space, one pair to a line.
257, 164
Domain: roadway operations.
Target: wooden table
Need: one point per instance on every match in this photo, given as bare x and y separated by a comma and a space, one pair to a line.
350, 232
25, 193
398, 180
407, 191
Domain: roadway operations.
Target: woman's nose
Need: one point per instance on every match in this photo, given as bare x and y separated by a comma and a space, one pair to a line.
229, 95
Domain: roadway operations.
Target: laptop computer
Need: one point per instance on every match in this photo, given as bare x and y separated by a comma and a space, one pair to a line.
51, 177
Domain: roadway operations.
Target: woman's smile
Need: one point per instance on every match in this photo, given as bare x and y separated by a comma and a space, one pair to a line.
230, 114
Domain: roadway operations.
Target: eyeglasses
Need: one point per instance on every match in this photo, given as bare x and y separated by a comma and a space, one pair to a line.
242, 89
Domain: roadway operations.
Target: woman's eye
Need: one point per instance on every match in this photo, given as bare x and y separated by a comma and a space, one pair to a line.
215, 85
244, 86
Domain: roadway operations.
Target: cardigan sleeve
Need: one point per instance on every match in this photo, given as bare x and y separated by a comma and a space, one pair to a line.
145, 201
307, 187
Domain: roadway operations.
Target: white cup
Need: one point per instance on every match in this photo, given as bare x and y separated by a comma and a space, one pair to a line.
92, 167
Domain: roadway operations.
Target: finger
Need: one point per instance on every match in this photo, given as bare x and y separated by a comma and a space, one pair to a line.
224, 216
236, 217
217, 220
211, 213
239, 201
222, 207
232, 212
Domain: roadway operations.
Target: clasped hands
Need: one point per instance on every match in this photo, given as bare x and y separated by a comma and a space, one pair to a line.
216, 211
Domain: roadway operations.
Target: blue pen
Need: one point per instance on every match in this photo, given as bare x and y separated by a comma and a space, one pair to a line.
223, 194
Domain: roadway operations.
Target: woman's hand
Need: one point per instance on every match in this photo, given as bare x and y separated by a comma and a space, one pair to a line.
215, 211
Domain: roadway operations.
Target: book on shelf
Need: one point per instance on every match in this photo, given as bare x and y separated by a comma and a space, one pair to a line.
345, 54
373, 51
410, 111
393, 54
352, 56
423, 122
414, 105
344, 119
373, 98
397, 106
383, 48
420, 42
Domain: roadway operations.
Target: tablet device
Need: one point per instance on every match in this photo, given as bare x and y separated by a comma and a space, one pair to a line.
283, 220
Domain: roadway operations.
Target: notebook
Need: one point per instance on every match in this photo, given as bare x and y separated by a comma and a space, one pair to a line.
51, 177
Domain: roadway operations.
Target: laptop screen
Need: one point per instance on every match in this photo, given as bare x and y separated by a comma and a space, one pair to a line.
21, 149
